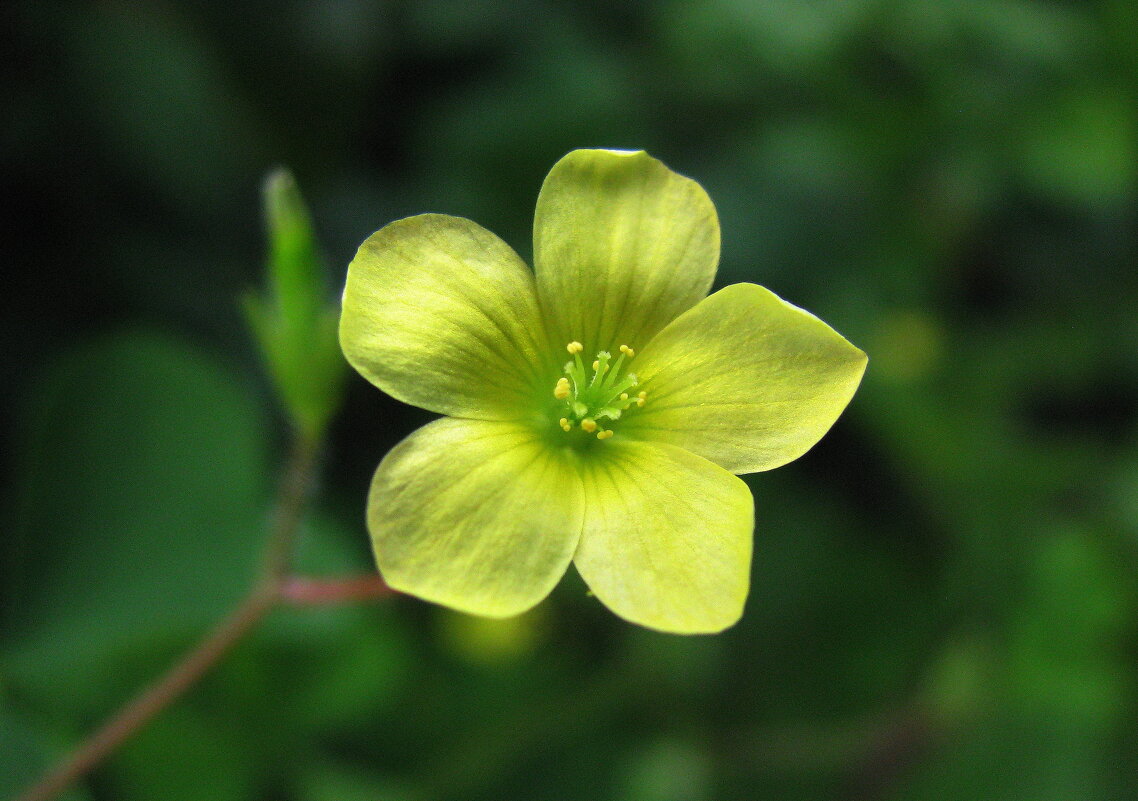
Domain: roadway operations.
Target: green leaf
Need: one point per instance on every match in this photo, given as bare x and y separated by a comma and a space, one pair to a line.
331, 781
189, 752
140, 516
25, 754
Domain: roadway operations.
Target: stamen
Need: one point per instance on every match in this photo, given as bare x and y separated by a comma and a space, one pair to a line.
608, 385
600, 398
641, 397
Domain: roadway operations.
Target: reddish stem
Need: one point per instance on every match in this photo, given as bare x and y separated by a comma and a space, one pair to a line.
299, 591
274, 586
157, 696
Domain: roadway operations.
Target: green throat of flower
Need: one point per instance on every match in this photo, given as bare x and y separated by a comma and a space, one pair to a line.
592, 399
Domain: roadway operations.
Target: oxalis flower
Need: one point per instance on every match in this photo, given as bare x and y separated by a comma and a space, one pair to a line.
597, 408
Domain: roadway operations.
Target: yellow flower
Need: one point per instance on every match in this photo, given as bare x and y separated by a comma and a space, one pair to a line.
622, 464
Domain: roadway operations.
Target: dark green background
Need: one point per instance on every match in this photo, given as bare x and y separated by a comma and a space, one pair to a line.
944, 600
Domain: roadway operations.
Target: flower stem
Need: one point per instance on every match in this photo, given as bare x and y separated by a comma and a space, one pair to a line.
300, 591
273, 586
153, 699
289, 509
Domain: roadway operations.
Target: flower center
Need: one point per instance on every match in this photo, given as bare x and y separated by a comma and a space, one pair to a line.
596, 398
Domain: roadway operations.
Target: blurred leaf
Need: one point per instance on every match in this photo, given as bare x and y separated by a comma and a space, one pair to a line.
1065, 648
959, 681
141, 512
187, 754
793, 37
161, 100
24, 755
312, 672
907, 345
669, 771
1082, 146
1010, 758
328, 781
837, 621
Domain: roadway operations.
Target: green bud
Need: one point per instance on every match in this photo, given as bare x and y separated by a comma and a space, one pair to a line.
295, 324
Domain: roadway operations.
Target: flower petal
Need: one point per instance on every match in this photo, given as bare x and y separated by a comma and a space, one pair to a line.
667, 537
481, 516
622, 245
442, 314
744, 379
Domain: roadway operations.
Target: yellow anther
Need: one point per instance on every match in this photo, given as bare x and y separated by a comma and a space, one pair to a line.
627, 351
604, 434
641, 398
589, 425
624, 396
564, 424
596, 364
574, 347
561, 391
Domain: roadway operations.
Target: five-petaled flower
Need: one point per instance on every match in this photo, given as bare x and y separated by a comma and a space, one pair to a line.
598, 408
